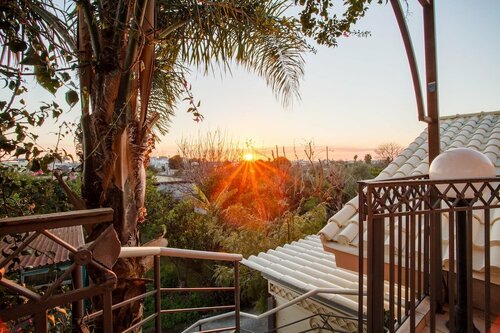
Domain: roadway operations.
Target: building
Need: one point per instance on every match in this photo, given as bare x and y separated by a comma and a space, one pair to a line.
331, 260
44, 260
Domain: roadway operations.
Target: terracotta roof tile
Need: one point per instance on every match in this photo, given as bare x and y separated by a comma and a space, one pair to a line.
51, 252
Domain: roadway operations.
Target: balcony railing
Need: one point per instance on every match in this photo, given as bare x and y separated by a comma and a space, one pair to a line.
399, 219
36, 304
401, 255
158, 252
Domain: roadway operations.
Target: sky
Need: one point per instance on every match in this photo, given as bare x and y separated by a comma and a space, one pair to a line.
358, 95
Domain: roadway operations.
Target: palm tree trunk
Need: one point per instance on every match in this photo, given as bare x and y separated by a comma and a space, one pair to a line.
115, 135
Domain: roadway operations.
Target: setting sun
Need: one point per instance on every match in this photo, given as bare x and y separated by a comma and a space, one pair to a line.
248, 157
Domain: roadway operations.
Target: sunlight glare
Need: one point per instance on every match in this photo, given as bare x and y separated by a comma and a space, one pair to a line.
248, 157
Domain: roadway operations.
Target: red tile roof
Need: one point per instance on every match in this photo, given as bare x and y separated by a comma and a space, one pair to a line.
50, 251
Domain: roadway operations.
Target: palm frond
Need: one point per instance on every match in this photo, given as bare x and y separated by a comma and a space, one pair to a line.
212, 35
39, 25
167, 87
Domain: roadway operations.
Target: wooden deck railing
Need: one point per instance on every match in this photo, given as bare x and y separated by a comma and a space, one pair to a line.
401, 223
37, 304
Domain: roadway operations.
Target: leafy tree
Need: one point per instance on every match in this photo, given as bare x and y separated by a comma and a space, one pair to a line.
368, 159
356, 172
24, 194
131, 69
175, 162
129, 80
159, 205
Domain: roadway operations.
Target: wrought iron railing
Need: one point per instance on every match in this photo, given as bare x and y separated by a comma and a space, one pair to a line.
400, 221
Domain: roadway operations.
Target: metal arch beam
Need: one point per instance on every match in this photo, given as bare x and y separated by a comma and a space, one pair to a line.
431, 80
432, 115
424, 3
410, 53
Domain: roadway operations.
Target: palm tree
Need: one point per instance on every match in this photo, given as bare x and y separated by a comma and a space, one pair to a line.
132, 56
131, 73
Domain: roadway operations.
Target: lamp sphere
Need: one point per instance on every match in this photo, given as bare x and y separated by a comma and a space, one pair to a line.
461, 163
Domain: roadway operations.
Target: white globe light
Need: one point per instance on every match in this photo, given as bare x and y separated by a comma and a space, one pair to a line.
461, 163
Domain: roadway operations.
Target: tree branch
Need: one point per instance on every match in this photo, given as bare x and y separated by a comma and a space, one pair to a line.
77, 202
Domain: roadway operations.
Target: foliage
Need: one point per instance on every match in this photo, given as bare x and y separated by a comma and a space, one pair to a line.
175, 162
319, 21
187, 229
223, 216
368, 159
35, 43
252, 285
58, 318
357, 172
131, 75
159, 205
22, 193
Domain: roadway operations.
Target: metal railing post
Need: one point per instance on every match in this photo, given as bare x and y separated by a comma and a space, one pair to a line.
361, 255
237, 295
436, 261
158, 294
375, 275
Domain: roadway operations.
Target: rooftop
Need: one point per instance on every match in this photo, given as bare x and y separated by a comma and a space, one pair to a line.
304, 265
480, 131
47, 251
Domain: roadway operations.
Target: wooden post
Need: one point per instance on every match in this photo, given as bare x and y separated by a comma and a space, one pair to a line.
77, 306
107, 313
41, 322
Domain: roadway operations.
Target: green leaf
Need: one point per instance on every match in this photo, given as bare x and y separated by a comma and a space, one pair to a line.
44, 78
35, 165
65, 76
32, 58
72, 97
18, 45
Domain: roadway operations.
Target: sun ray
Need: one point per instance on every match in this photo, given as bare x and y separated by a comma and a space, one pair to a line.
260, 188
